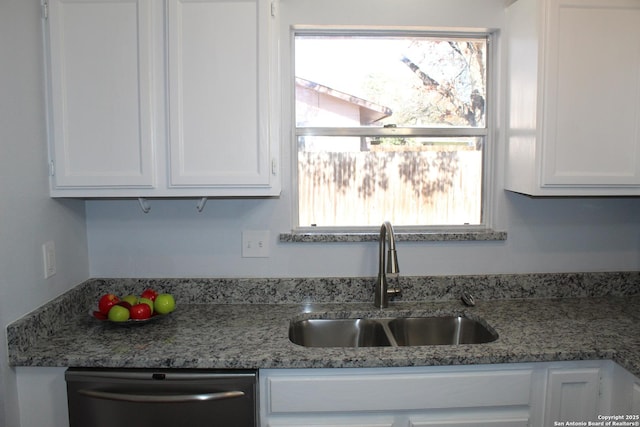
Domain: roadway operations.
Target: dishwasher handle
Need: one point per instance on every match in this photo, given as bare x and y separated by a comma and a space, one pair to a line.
177, 398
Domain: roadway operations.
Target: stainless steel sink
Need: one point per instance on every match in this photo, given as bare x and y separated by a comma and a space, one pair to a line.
439, 331
380, 332
338, 333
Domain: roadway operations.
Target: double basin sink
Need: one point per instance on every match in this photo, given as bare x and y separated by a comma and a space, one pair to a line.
390, 332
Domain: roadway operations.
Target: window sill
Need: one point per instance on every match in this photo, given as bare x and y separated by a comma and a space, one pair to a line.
330, 237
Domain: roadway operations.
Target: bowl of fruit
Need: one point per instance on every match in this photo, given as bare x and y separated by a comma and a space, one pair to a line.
133, 309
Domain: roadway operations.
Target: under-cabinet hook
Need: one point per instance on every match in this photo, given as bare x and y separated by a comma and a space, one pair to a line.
144, 204
201, 203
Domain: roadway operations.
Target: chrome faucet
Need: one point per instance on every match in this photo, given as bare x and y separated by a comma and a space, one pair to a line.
383, 293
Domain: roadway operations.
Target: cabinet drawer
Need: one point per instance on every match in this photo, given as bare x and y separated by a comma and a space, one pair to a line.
333, 423
490, 422
350, 393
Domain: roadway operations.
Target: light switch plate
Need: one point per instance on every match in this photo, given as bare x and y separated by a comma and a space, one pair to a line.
255, 244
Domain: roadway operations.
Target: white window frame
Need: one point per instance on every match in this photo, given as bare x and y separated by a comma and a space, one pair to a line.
488, 132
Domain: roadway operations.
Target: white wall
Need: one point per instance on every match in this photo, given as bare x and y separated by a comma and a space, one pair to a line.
545, 235
28, 217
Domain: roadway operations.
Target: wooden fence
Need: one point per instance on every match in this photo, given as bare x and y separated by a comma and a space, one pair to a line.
407, 188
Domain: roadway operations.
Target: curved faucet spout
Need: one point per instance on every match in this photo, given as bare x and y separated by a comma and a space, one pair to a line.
382, 291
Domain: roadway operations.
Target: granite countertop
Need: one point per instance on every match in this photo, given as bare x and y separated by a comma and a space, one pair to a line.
255, 335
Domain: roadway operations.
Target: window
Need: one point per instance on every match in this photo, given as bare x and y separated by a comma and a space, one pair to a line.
390, 125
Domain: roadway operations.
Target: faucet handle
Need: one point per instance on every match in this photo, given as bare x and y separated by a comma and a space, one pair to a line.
467, 299
395, 292
394, 279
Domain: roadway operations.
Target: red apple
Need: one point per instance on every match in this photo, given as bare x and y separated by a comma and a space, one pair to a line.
124, 304
99, 315
149, 294
106, 302
140, 311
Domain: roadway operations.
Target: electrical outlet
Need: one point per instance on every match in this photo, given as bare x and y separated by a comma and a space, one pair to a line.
255, 244
49, 257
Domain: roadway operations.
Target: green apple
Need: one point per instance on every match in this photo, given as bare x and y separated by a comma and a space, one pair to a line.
118, 313
164, 304
146, 301
131, 299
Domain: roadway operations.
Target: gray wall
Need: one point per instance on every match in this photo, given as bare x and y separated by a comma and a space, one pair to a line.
545, 235
28, 217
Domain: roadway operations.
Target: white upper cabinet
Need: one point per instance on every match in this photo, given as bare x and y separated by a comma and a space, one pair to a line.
217, 95
574, 97
169, 98
100, 77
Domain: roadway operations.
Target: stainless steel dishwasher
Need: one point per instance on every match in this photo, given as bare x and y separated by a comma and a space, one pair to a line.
159, 398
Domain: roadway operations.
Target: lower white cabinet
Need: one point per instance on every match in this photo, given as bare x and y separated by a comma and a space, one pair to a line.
507, 395
322, 422
397, 397
489, 422
619, 394
572, 394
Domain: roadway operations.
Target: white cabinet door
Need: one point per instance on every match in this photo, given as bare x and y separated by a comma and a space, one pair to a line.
592, 96
572, 394
218, 93
168, 98
574, 91
99, 69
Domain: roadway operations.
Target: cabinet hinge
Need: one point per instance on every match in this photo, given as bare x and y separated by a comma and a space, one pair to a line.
274, 9
52, 168
274, 167
45, 10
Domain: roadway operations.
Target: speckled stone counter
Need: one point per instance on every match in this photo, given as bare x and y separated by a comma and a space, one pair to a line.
599, 320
